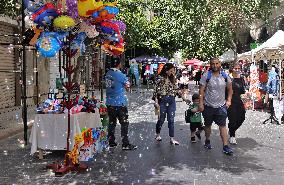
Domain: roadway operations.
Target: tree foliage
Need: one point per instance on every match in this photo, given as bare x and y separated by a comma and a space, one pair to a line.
200, 28
8, 8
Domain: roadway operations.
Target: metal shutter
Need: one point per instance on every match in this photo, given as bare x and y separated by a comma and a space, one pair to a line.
7, 66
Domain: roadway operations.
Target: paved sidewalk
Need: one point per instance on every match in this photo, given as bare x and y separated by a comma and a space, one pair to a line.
257, 159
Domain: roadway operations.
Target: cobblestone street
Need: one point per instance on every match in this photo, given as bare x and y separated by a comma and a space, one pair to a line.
257, 158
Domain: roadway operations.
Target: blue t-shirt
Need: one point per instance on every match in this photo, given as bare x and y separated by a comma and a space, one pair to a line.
115, 88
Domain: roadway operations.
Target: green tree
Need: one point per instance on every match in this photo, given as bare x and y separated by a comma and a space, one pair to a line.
8, 7
239, 15
133, 13
200, 28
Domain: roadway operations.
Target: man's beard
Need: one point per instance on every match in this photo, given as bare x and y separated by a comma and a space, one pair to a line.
216, 69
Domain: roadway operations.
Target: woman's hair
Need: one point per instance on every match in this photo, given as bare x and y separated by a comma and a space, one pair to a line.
234, 65
167, 67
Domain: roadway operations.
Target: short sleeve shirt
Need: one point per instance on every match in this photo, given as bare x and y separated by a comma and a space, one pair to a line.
115, 88
195, 117
215, 90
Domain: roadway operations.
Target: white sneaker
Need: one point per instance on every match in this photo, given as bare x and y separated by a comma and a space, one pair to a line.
233, 140
158, 138
174, 142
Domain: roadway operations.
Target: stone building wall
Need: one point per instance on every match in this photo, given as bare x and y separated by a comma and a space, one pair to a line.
10, 76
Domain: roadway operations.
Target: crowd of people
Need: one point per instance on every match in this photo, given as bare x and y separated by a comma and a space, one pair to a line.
218, 99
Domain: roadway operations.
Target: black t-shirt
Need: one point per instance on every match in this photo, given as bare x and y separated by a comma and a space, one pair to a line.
238, 88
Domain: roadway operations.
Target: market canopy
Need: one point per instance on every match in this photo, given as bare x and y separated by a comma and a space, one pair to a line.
245, 56
147, 58
270, 47
193, 62
228, 56
159, 59
272, 44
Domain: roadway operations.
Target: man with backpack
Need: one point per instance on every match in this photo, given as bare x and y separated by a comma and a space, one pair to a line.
214, 86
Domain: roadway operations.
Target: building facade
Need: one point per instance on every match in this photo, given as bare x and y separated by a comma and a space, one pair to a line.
10, 75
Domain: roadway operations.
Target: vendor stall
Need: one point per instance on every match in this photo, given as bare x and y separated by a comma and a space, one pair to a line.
197, 64
269, 55
49, 130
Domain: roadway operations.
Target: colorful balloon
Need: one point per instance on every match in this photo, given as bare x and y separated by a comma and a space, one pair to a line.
121, 25
44, 15
61, 6
95, 134
114, 50
89, 29
64, 22
115, 39
72, 8
106, 13
78, 42
36, 35
32, 5
48, 44
87, 7
110, 28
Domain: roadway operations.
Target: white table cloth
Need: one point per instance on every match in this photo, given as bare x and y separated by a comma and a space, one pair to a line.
49, 131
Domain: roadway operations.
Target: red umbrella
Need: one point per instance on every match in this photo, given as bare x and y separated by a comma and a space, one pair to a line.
193, 62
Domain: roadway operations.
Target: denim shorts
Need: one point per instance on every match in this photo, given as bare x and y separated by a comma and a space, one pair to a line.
216, 115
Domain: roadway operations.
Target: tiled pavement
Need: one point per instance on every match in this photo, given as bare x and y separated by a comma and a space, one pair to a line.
258, 157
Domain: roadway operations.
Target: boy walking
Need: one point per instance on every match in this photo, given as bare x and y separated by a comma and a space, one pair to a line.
193, 116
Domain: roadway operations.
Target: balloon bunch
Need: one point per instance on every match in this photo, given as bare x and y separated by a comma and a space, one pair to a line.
53, 22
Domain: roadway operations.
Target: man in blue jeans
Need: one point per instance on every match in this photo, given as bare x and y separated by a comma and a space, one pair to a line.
116, 101
213, 102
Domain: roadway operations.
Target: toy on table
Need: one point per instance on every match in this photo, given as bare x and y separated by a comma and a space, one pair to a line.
50, 107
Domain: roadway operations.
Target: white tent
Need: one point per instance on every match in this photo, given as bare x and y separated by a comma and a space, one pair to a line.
246, 56
266, 50
228, 56
272, 44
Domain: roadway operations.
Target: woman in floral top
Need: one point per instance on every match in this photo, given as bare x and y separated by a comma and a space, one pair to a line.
164, 96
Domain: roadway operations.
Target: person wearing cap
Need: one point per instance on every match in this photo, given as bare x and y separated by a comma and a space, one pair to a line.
116, 85
193, 116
